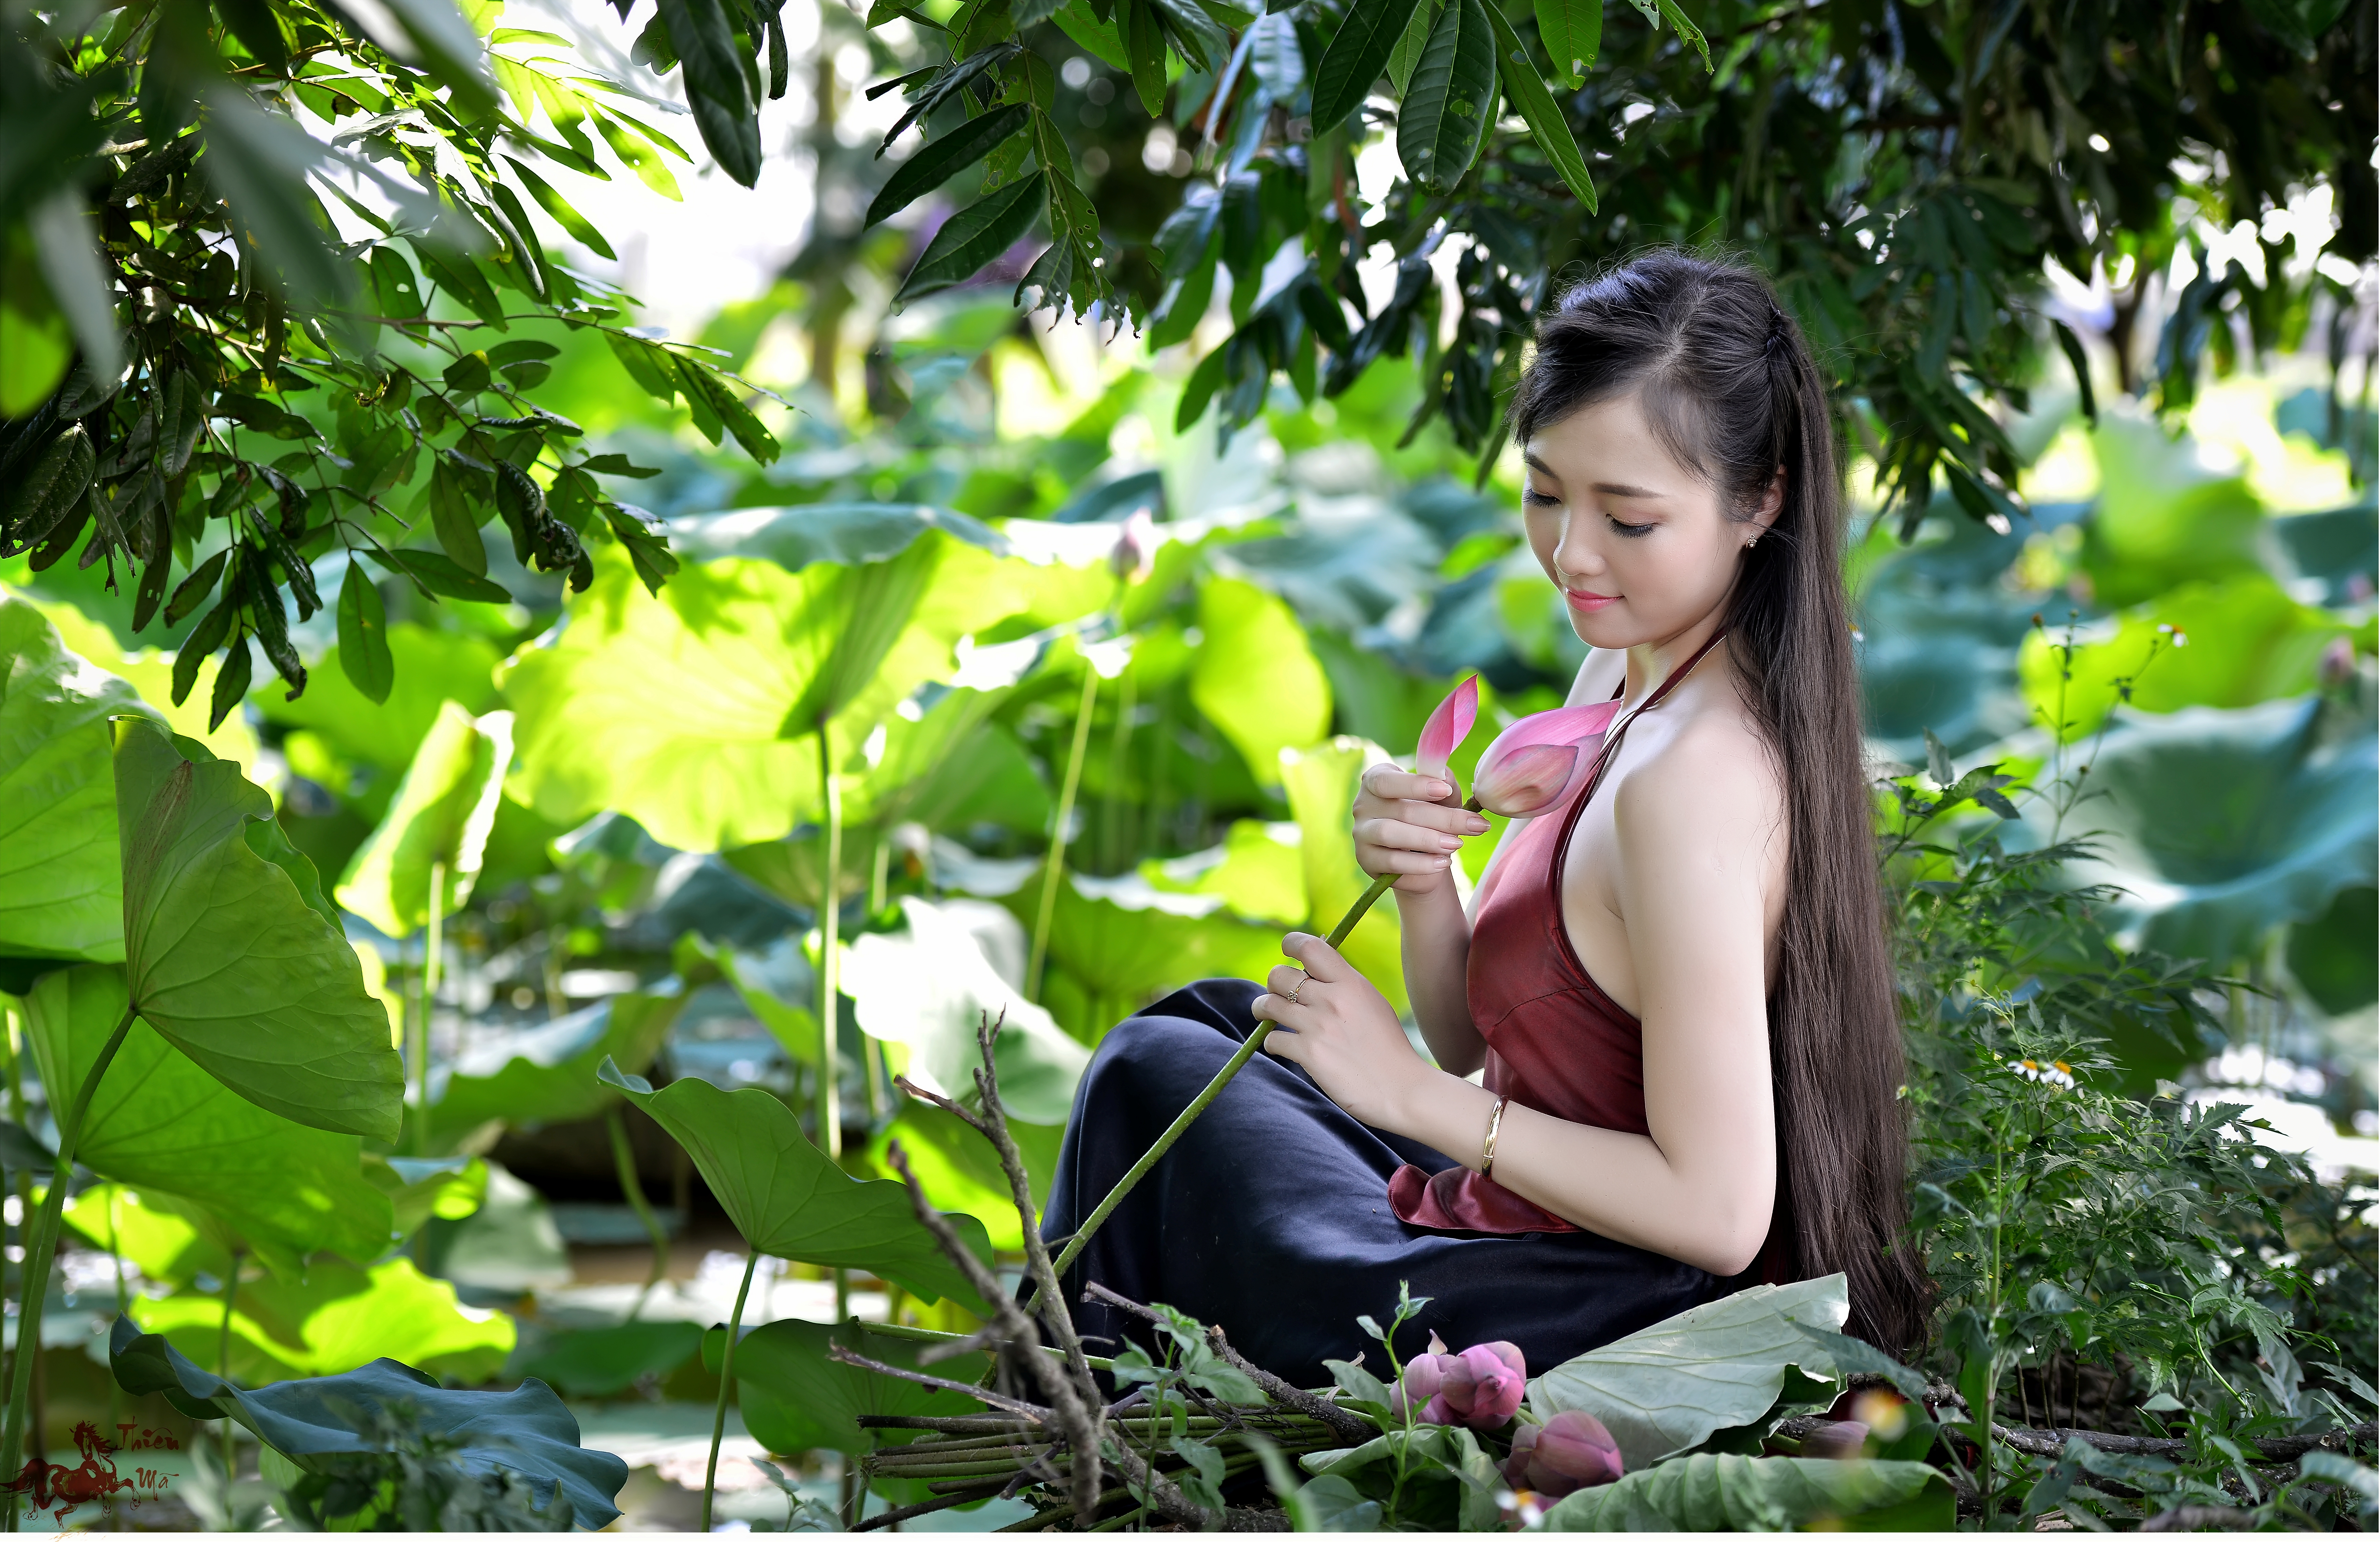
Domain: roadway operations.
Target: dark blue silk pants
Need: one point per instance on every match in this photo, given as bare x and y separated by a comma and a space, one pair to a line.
1271, 1217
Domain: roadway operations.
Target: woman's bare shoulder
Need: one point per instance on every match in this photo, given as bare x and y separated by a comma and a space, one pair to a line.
1713, 779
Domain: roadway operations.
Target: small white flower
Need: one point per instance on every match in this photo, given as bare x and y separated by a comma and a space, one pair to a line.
2054, 1072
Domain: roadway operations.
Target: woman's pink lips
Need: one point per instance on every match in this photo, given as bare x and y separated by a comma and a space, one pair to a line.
1581, 600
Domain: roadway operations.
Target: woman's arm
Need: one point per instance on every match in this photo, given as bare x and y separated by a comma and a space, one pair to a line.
1402, 828
1700, 850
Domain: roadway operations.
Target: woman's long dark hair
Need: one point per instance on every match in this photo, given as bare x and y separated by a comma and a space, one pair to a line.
1729, 384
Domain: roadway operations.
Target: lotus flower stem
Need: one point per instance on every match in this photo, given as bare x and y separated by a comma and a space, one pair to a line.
726, 1381
1213, 1089
1049, 877
624, 1157
829, 1108
223, 1352
40, 1248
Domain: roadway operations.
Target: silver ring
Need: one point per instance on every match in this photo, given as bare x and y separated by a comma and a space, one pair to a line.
1300, 986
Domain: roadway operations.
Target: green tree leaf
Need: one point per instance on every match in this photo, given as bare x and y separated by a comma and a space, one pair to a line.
581, 229
161, 1123
1357, 53
788, 1199
227, 958
363, 636
1410, 43
974, 235
1573, 33
442, 812
938, 162
1547, 125
719, 83
1446, 112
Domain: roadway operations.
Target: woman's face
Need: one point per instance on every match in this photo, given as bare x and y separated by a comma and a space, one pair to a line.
1638, 544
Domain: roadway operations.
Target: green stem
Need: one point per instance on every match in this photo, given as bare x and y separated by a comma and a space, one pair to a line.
726, 1379
1173, 1132
1057, 868
1119, 753
624, 1157
222, 1357
829, 1110
420, 1035
41, 1247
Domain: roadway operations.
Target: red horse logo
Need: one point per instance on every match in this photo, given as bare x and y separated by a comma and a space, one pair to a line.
47, 1483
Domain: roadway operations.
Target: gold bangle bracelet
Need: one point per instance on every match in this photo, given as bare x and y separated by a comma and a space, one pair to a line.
1487, 1151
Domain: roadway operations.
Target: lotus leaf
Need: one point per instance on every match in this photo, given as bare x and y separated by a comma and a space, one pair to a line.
168, 1240
525, 1430
232, 954
546, 1074
431, 667
1670, 1387
1763, 1493
2221, 825
794, 1398
1256, 678
789, 1200
337, 1318
158, 1122
928, 987
61, 878
605, 1362
439, 821
959, 1171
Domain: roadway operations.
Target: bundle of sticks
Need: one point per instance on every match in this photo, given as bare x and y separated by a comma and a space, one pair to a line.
1050, 1434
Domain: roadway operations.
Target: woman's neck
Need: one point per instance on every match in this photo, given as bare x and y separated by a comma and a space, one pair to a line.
1649, 664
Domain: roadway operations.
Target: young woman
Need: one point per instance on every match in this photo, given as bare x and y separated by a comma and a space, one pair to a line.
1672, 985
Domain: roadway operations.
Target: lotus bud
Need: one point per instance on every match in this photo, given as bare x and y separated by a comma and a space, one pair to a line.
1497, 1385
1573, 1450
1538, 761
1135, 553
1458, 1379
1436, 1412
1450, 724
1418, 1385
1841, 1442
1438, 1345
1516, 1466
2337, 666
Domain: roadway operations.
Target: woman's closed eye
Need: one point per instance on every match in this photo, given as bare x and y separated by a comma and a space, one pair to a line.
1535, 499
1621, 527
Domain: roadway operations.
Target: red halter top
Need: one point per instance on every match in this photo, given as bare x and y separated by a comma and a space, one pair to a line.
1556, 1041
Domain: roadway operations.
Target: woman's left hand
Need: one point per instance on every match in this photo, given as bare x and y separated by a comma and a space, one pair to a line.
1336, 1024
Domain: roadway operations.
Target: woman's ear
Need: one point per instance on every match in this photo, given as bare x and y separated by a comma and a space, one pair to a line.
1772, 502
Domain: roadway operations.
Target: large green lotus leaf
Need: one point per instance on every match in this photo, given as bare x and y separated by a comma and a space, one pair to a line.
689, 710
928, 988
2247, 642
605, 1362
959, 1171
2332, 956
1764, 1493
1258, 872
440, 820
1125, 939
796, 1028
1669, 1387
1255, 677
509, 1243
431, 668
167, 1239
2165, 515
950, 768
336, 1318
789, 1200
158, 1122
1322, 783
422, 1189
150, 671
233, 953
1437, 1475
525, 1430
61, 876
2221, 825
795, 1399
547, 1075
841, 534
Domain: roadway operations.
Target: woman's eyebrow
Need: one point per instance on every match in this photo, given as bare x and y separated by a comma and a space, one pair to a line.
1539, 466
1621, 489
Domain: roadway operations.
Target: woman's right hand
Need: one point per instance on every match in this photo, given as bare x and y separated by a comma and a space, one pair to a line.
1402, 828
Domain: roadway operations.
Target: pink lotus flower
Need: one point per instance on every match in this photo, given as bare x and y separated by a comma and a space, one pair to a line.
1450, 724
1418, 1385
1843, 1441
1538, 761
1485, 1384
1135, 553
1569, 1451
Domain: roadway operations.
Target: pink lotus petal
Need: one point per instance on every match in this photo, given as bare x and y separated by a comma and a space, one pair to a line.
1436, 1412
1497, 1388
1458, 1379
1516, 1466
1532, 764
1450, 724
1418, 1385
